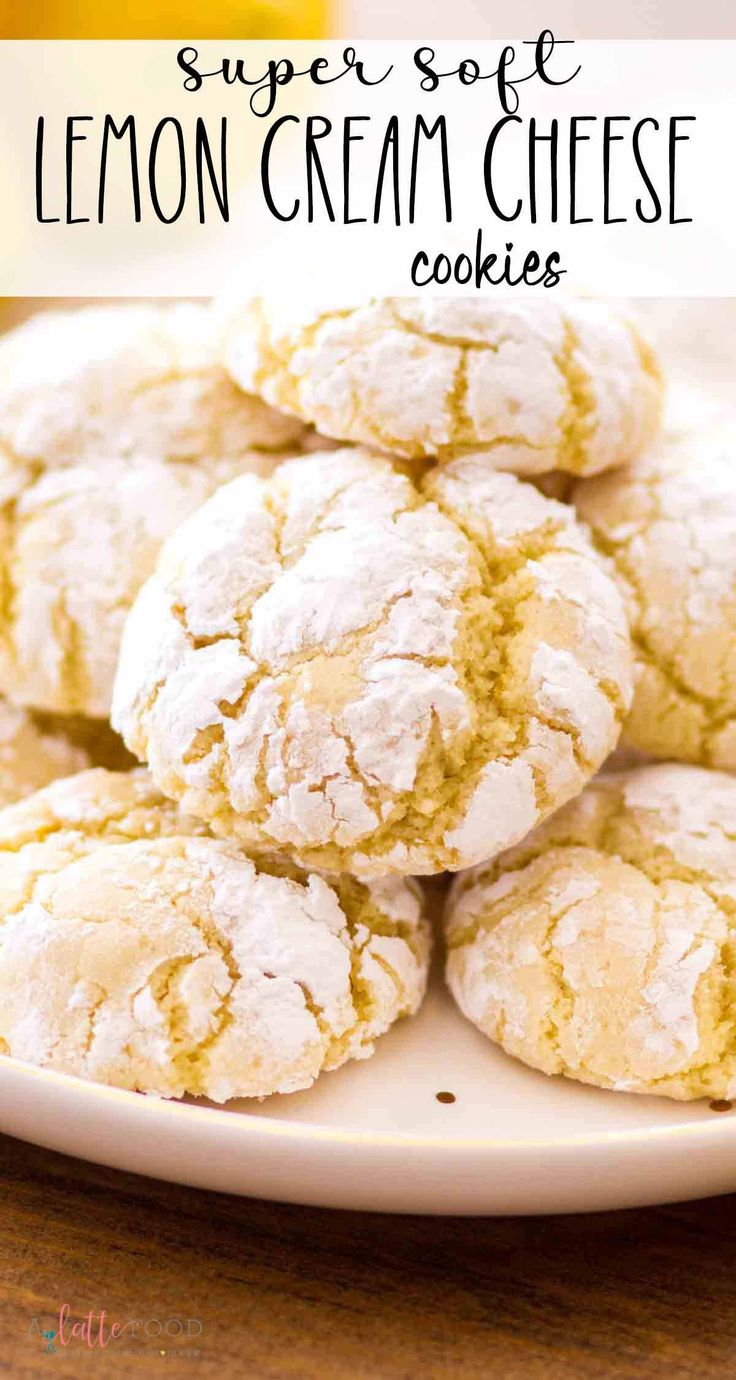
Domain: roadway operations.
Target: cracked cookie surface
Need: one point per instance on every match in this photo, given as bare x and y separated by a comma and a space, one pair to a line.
136, 950
533, 386
668, 526
361, 667
115, 423
603, 947
75, 548
106, 382
34, 753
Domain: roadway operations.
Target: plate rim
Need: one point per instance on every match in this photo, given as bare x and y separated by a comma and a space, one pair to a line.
721, 1128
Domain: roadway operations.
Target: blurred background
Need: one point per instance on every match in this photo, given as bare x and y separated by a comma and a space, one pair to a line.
164, 19
365, 18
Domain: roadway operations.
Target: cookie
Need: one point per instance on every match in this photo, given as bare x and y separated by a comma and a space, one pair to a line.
32, 753
75, 548
136, 951
361, 667
668, 526
107, 382
534, 386
602, 948
115, 423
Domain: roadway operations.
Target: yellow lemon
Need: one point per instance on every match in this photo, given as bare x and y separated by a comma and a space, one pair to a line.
165, 19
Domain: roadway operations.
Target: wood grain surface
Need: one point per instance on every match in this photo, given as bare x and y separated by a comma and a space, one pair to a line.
286, 1293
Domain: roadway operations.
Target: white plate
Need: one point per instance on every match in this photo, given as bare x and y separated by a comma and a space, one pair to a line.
374, 1136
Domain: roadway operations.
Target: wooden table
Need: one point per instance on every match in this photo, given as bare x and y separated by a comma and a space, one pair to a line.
285, 1293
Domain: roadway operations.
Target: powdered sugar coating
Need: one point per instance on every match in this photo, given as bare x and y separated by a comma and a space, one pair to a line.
75, 548
115, 423
534, 386
113, 381
669, 528
137, 951
602, 947
33, 754
359, 668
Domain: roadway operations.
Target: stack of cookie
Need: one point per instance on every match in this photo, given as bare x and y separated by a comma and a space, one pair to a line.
357, 642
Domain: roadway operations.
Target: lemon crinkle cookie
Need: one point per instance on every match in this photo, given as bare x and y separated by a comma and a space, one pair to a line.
123, 380
534, 386
602, 947
669, 527
33, 754
76, 548
137, 951
115, 423
373, 672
